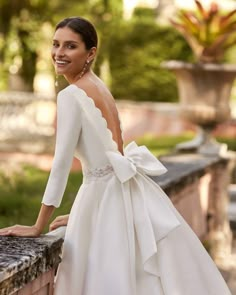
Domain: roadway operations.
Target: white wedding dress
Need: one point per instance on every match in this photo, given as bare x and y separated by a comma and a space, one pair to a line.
124, 236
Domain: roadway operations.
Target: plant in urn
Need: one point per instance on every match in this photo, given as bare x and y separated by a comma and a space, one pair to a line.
205, 86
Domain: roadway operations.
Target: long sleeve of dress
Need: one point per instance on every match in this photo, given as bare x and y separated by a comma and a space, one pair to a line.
68, 131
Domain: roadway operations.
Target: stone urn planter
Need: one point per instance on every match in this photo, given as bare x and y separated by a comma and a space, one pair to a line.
205, 87
204, 94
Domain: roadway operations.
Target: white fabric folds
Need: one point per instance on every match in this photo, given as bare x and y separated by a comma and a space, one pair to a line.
124, 236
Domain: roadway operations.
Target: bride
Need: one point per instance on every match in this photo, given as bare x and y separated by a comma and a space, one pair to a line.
123, 236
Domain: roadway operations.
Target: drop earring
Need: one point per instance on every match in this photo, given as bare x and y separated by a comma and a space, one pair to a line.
84, 70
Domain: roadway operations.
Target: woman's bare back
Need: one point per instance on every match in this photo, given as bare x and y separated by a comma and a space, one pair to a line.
103, 100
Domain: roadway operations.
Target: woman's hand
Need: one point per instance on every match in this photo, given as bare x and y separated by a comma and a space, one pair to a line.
20, 231
59, 221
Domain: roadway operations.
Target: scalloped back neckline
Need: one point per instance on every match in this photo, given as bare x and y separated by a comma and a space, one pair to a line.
108, 133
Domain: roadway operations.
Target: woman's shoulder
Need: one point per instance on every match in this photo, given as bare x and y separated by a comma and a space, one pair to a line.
72, 88
94, 87
71, 92
70, 99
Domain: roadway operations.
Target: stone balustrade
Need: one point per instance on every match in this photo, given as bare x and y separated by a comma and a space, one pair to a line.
27, 122
27, 266
196, 184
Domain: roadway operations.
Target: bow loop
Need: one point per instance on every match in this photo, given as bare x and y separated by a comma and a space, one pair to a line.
136, 159
148, 212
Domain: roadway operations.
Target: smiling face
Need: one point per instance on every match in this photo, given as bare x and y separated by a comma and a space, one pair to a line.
69, 54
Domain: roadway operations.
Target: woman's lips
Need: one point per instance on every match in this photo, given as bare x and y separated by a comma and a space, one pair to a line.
61, 63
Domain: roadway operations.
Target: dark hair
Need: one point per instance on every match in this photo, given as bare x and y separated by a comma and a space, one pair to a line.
82, 27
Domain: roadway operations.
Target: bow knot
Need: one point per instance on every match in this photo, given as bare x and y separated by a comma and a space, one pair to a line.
152, 217
135, 159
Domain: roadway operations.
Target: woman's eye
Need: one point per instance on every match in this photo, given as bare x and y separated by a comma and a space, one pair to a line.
55, 45
70, 46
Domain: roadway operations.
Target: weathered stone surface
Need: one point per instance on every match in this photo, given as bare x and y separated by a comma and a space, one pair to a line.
184, 169
24, 259
198, 187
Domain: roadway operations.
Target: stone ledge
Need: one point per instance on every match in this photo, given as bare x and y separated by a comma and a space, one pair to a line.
24, 259
183, 169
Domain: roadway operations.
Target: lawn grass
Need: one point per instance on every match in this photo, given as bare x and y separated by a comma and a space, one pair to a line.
21, 192
166, 144
163, 144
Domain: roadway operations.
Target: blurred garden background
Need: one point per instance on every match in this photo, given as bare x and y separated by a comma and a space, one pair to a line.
135, 37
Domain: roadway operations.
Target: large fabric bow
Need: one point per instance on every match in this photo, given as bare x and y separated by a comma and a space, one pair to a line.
150, 215
136, 159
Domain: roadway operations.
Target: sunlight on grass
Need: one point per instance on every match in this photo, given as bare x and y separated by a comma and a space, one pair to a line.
163, 144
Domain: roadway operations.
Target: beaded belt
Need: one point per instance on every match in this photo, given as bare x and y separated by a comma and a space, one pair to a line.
97, 172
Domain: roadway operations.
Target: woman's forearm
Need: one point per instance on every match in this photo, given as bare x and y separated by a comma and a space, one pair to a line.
44, 215
30, 231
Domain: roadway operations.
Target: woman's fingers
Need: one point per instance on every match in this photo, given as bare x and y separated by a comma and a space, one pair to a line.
6, 231
20, 231
59, 221
54, 225
32, 231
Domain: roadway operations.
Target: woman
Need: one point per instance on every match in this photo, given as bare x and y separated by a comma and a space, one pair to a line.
124, 236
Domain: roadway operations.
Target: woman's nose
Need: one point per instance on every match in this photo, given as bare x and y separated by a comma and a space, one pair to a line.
60, 52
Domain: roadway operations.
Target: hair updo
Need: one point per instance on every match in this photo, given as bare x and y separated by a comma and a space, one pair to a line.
82, 27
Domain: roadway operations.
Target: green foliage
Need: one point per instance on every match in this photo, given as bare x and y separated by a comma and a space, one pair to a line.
133, 48
144, 12
231, 142
21, 194
137, 49
209, 31
24, 19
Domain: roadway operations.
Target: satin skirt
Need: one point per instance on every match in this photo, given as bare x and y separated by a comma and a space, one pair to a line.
128, 239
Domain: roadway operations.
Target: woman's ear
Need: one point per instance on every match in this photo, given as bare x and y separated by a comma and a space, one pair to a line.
92, 53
